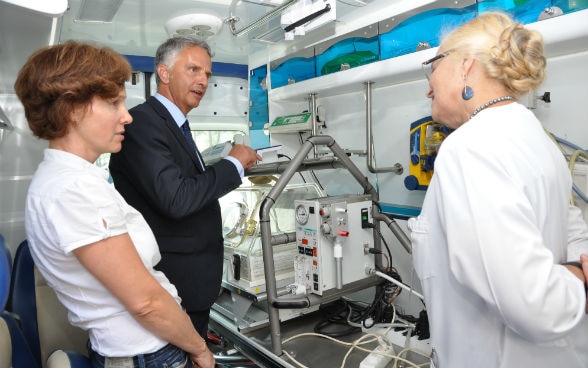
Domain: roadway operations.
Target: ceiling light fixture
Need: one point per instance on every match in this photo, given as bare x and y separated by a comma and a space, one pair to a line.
202, 26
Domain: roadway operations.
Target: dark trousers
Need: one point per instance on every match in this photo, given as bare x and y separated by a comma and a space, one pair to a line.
200, 321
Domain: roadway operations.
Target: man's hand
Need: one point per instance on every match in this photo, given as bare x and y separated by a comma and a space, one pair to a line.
245, 154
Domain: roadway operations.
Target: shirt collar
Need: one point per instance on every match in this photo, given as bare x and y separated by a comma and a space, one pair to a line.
175, 111
74, 161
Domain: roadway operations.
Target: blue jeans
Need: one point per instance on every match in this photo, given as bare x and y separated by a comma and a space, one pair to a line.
167, 357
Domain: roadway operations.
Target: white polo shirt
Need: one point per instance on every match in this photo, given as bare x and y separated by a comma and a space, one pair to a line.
68, 202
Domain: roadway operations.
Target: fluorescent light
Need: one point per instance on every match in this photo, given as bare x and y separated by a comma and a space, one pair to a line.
98, 10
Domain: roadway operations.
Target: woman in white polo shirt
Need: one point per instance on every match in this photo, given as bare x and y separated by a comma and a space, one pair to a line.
96, 251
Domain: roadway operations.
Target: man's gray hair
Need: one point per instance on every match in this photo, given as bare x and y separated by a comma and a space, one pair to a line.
166, 52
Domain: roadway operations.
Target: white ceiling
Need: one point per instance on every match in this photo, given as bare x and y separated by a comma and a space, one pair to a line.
138, 26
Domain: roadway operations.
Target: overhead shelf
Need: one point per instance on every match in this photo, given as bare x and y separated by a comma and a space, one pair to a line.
397, 70
565, 34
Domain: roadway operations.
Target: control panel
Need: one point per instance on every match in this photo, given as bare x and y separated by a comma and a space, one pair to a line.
333, 235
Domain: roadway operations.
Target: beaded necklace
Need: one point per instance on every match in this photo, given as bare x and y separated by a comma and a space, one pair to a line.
490, 103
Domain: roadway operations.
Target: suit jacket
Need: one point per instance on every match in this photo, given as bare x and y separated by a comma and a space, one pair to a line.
157, 173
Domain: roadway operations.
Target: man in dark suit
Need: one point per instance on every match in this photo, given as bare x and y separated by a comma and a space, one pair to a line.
160, 172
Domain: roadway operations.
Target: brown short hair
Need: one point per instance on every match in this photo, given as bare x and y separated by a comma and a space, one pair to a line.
57, 79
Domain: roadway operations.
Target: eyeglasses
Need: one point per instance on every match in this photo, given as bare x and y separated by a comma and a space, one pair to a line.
428, 66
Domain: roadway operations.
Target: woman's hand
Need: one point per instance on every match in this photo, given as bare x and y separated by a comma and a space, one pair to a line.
205, 359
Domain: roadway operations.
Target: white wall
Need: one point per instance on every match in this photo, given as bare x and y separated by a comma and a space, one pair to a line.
20, 153
567, 80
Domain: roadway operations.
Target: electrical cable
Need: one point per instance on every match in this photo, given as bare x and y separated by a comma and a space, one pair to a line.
387, 248
301, 141
381, 310
579, 193
370, 311
316, 180
290, 159
577, 153
357, 311
354, 345
398, 283
388, 263
567, 143
388, 326
420, 330
335, 318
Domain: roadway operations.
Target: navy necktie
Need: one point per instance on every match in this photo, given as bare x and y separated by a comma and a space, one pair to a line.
191, 143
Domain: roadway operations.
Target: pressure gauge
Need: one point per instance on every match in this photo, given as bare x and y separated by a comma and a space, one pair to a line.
301, 214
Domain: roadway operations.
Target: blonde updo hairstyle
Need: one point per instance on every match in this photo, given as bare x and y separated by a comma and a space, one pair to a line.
508, 51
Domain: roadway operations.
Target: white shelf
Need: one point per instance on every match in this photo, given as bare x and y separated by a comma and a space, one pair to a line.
566, 34
396, 70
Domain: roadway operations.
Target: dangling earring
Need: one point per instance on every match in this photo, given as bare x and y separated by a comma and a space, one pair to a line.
467, 92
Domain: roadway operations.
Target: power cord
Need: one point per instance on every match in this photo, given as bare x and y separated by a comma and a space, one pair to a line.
365, 339
280, 155
335, 316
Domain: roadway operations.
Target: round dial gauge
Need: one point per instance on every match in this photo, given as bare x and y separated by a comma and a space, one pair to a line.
301, 214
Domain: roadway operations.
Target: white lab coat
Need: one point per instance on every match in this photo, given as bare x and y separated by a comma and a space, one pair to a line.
494, 227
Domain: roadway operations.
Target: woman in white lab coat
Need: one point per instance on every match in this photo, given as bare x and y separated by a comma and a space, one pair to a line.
496, 225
